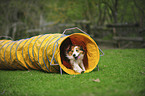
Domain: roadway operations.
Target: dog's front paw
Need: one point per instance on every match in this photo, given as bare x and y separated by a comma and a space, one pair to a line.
78, 69
84, 70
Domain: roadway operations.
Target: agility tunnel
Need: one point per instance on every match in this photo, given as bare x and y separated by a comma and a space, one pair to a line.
47, 53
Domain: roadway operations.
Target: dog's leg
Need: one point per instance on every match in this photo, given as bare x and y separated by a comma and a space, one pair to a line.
77, 68
82, 65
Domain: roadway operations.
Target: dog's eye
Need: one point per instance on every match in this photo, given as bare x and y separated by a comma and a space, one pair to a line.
77, 50
72, 51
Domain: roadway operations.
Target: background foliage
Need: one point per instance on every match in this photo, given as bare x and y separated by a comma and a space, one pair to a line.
25, 18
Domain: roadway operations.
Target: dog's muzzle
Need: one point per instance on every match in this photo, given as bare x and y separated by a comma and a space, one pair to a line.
76, 57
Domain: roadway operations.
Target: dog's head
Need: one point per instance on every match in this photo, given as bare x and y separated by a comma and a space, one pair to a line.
75, 52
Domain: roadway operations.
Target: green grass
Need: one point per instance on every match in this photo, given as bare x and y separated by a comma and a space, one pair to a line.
122, 73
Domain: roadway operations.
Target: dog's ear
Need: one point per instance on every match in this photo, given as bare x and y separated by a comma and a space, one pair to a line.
81, 48
68, 48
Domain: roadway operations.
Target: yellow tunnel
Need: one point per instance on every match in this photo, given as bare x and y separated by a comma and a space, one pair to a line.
44, 52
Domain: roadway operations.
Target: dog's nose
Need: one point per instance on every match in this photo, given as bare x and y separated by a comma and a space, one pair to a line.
74, 55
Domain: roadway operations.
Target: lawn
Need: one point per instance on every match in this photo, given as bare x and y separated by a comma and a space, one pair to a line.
122, 73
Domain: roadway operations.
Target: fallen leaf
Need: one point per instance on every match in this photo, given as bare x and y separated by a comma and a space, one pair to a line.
143, 72
97, 80
105, 66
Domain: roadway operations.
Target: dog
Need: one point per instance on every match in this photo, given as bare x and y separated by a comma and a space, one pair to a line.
75, 54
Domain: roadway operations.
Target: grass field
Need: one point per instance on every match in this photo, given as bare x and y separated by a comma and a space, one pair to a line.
122, 73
